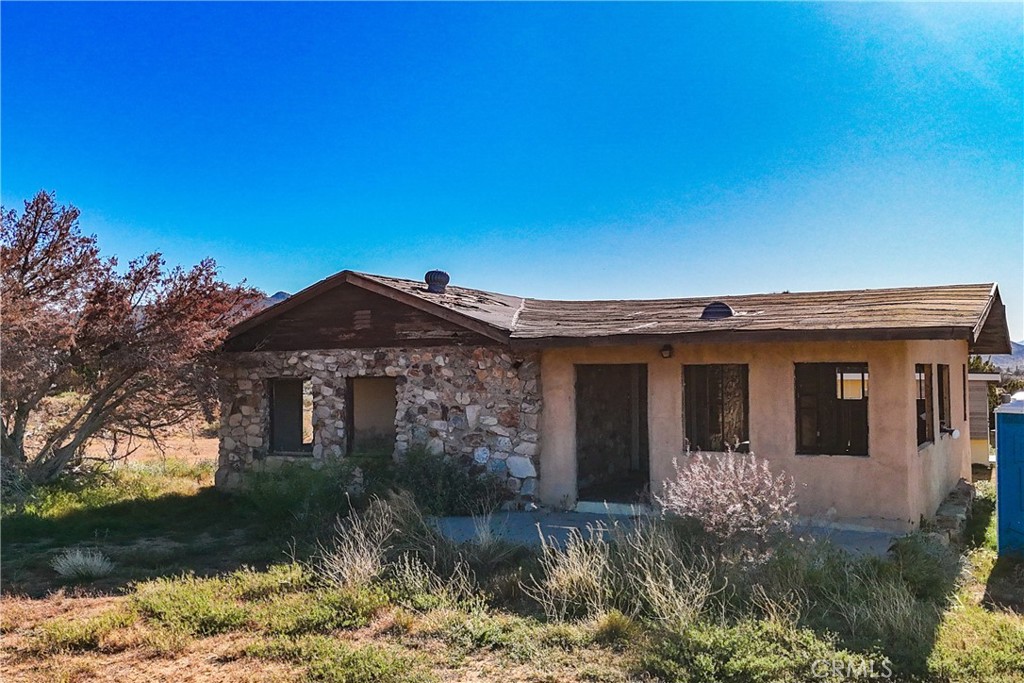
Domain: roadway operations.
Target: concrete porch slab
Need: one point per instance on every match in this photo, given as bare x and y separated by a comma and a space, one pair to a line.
526, 528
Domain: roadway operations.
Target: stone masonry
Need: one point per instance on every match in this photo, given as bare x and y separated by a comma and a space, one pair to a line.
481, 405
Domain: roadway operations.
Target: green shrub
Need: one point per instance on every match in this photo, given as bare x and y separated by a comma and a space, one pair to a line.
249, 584
977, 645
334, 661
60, 635
867, 602
565, 636
980, 532
754, 652
318, 611
471, 630
200, 607
298, 498
613, 628
929, 568
443, 486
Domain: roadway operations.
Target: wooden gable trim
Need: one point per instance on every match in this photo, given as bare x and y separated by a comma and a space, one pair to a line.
991, 334
350, 277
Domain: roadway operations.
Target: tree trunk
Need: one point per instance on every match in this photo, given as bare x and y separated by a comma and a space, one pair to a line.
47, 469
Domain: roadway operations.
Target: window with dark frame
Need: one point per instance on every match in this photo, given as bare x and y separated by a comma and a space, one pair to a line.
925, 411
832, 408
715, 408
965, 392
945, 414
291, 415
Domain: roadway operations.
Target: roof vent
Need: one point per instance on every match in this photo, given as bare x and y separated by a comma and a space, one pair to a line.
436, 281
717, 310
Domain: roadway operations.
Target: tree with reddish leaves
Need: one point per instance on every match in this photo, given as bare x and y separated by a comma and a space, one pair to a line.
135, 347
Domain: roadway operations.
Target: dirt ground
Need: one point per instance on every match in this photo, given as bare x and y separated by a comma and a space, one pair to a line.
189, 447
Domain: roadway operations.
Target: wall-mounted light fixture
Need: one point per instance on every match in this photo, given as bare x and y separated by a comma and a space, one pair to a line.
666, 351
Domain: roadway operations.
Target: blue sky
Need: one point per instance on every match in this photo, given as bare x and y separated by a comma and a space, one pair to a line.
552, 150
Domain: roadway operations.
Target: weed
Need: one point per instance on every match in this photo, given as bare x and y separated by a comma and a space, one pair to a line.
299, 500
249, 584
333, 661
356, 553
614, 628
444, 486
577, 576
974, 644
166, 642
755, 651
479, 630
60, 635
416, 586
318, 612
199, 607
82, 564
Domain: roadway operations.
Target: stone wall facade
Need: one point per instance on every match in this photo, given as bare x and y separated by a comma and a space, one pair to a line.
481, 405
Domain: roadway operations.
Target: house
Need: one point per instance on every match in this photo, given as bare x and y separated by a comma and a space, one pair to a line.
979, 411
861, 395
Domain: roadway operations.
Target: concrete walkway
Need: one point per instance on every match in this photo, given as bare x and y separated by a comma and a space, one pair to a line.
525, 528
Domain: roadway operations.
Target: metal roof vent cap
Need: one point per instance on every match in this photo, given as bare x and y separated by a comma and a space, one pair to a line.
436, 281
717, 310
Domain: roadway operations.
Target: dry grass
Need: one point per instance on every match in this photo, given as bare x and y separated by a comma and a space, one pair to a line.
408, 606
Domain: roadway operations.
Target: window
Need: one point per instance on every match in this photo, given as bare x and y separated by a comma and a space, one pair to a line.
832, 408
715, 407
925, 421
945, 415
291, 416
965, 392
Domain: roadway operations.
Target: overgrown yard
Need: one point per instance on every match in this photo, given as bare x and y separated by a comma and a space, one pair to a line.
262, 587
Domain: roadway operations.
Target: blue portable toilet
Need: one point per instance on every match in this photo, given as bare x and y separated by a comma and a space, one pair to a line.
1010, 476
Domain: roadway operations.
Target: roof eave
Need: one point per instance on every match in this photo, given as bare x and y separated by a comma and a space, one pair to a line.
748, 336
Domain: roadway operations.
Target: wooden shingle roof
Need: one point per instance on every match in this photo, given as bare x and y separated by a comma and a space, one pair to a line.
972, 312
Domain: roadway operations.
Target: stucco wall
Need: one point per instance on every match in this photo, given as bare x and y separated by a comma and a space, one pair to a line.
891, 488
480, 404
938, 466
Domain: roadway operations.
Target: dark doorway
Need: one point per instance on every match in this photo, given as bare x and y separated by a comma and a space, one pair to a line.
611, 433
371, 415
291, 416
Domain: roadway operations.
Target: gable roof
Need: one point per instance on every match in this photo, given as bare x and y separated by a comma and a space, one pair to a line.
972, 312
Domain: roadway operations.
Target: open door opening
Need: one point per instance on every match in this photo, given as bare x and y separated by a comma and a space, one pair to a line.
371, 415
612, 450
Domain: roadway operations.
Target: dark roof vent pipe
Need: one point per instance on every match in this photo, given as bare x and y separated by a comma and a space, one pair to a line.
436, 281
717, 310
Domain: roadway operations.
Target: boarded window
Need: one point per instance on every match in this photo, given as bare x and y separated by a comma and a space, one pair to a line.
715, 406
371, 415
291, 416
925, 419
832, 408
945, 414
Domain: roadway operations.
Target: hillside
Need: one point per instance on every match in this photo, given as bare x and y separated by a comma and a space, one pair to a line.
1012, 360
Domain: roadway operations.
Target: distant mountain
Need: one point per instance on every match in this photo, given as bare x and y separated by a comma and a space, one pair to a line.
272, 299
1010, 361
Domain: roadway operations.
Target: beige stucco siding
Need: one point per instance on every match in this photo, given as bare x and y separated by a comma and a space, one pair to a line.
938, 466
891, 488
